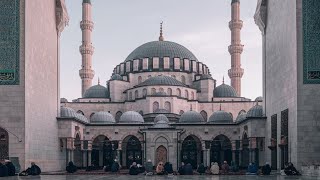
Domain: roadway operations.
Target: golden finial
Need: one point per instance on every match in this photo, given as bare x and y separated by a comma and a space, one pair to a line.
161, 37
98, 81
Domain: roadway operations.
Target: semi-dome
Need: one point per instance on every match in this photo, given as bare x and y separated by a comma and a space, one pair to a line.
255, 111
131, 117
97, 91
260, 98
102, 118
71, 113
160, 111
161, 117
224, 90
161, 80
116, 77
220, 117
191, 117
241, 117
161, 49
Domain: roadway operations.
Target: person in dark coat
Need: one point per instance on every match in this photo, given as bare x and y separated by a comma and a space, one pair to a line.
71, 168
168, 168
201, 169
34, 170
134, 170
188, 169
115, 167
290, 170
225, 168
181, 169
149, 168
11, 168
266, 169
252, 169
3, 170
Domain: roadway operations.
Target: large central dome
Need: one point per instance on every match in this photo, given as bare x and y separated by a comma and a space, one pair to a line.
161, 49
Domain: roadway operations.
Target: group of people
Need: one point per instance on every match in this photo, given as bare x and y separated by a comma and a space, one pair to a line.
7, 169
34, 170
148, 169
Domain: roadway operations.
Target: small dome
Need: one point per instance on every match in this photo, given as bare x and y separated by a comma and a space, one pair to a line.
255, 111
220, 117
241, 117
131, 117
116, 77
97, 91
160, 111
206, 76
260, 98
160, 117
224, 90
161, 124
63, 100
191, 117
102, 118
71, 113
160, 93
161, 80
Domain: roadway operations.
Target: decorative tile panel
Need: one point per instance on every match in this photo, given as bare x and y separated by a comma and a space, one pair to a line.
311, 41
9, 42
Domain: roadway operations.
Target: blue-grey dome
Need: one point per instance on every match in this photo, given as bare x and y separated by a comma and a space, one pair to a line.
161, 117
131, 117
160, 111
71, 113
220, 117
97, 91
116, 77
255, 111
260, 98
224, 90
86, 1
63, 100
161, 49
191, 117
161, 80
241, 117
102, 118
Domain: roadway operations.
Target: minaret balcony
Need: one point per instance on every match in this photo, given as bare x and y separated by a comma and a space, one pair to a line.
235, 48
86, 25
235, 72
86, 73
86, 49
235, 24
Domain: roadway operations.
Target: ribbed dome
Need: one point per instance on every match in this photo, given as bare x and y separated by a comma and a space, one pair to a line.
116, 77
260, 98
102, 118
97, 91
241, 117
131, 117
161, 49
160, 111
160, 117
224, 90
161, 80
220, 117
71, 113
191, 117
255, 111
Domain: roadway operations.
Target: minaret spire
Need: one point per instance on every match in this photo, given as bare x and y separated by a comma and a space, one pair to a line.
86, 49
161, 38
236, 48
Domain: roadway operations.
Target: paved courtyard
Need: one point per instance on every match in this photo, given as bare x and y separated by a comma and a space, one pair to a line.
141, 177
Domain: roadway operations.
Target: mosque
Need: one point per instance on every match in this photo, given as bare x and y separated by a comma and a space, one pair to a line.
161, 103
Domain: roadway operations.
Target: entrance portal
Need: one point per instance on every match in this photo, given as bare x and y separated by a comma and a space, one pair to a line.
161, 154
221, 150
103, 152
191, 151
133, 151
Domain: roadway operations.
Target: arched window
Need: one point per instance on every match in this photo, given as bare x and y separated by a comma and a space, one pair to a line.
242, 112
192, 95
155, 106
80, 112
183, 79
130, 95
173, 76
153, 91
204, 115
136, 94
161, 90
169, 91
167, 106
178, 92
139, 79
149, 76
186, 94
91, 115
181, 112
231, 114
118, 115
144, 92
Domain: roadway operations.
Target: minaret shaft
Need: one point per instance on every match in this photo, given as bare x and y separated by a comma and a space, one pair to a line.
86, 49
236, 48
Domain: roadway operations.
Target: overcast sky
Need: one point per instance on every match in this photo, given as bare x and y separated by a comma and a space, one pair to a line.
120, 26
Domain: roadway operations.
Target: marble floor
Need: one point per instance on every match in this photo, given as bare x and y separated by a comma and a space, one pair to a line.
141, 177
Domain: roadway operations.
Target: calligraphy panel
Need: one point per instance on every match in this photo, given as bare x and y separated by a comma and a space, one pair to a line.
9, 42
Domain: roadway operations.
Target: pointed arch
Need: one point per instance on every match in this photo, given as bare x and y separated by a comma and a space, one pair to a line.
155, 106
204, 114
167, 106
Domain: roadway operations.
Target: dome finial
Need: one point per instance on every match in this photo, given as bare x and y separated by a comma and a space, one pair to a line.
220, 106
190, 107
98, 81
161, 37
223, 80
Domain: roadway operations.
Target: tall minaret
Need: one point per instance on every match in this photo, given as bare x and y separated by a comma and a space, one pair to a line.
236, 48
86, 49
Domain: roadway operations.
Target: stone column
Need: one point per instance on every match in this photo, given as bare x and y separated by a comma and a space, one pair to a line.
89, 158
84, 158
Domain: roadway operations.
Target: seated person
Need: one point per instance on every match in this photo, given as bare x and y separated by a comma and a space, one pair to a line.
168, 168
181, 169
149, 167
11, 168
188, 169
34, 170
214, 168
234, 167
115, 167
266, 169
140, 168
160, 169
201, 169
225, 168
252, 169
71, 168
3, 170
134, 170
290, 170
